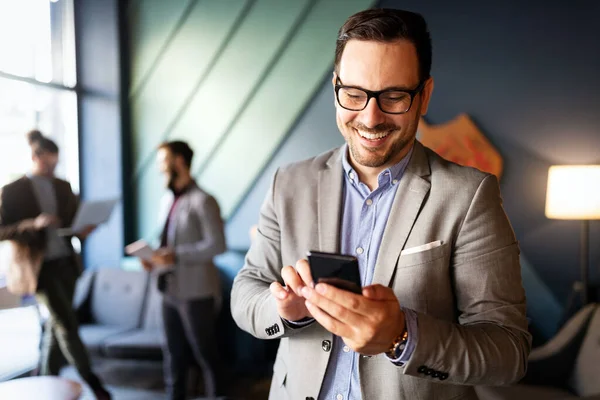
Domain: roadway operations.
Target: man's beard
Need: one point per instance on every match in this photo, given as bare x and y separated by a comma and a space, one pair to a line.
173, 175
377, 161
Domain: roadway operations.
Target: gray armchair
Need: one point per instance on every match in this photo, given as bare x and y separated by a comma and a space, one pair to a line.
566, 367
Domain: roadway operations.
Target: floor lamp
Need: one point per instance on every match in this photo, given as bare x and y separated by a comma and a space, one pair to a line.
573, 193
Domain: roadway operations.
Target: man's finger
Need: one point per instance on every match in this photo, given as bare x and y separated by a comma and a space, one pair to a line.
341, 311
278, 291
355, 302
378, 292
292, 279
303, 269
327, 321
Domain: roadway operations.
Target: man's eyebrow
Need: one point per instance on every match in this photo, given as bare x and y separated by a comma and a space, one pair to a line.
388, 88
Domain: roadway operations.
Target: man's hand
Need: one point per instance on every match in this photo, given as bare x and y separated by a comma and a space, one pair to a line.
290, 303
163, 257
368, 323
44, 220
147, 265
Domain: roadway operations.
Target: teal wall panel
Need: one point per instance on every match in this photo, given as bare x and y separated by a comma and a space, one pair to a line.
152, 25
158, 103
226, 76
277, 105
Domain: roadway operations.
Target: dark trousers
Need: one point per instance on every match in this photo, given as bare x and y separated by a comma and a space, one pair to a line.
61, 342
190, 336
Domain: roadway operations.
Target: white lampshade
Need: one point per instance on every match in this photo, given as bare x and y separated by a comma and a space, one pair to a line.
573, 192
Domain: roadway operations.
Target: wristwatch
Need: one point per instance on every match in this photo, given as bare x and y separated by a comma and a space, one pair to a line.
398, 345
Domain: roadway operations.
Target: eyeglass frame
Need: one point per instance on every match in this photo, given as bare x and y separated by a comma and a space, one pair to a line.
376, 93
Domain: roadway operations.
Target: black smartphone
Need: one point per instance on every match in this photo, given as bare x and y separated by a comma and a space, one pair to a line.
338, 270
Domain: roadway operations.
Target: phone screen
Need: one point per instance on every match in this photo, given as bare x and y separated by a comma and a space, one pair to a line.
338, 270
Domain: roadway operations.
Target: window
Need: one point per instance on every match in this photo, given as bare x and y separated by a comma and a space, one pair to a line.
37, 87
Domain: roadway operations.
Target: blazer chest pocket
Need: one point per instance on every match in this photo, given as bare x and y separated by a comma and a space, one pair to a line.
424, 257
421, 278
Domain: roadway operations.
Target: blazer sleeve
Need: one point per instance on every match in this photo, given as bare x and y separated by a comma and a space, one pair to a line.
10, 228
252, 306
213, 235
490, 343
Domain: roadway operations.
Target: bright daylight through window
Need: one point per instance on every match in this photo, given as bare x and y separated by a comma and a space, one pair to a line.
37, 91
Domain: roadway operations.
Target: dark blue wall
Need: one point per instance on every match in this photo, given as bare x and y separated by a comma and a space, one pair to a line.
527, 74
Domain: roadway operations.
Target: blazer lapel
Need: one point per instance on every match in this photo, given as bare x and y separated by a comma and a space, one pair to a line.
329, 203
29, 202
410, 194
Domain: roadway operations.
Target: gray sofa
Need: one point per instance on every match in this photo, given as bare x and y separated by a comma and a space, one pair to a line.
120, 314
567, 367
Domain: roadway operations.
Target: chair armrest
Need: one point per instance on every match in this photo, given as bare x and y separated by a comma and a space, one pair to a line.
565, 336
553, 363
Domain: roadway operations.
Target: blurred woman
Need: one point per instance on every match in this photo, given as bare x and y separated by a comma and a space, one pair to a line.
32, 208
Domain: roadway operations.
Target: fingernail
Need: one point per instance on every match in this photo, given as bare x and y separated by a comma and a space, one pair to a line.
320, 288
308, 304
282, 295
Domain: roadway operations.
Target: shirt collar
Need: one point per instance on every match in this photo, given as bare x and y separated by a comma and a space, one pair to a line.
391, 174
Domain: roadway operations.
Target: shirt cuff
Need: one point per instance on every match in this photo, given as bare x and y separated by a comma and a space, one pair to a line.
410, 319
298, 324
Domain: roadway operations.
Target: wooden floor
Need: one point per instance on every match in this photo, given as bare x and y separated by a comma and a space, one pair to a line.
143, 380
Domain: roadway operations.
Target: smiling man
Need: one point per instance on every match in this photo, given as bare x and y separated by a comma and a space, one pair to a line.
442, 306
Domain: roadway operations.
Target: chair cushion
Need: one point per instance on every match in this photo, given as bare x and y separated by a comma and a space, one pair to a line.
94, 336
118, 297
141, 343
585, 379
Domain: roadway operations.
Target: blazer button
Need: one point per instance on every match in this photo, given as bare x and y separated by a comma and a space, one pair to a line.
429, 372
443, 376
326, 345
422, 369
435, 374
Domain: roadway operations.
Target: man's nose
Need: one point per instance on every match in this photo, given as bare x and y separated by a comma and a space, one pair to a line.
372, 115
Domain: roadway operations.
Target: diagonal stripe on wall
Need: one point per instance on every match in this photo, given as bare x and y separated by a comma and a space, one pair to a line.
152, 26
256, 67
184, 62
277, 104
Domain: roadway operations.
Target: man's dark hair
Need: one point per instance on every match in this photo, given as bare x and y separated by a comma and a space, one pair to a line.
179, 148
387, 25
41, 144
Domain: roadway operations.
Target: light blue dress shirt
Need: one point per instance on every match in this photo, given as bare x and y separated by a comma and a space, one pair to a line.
365, 215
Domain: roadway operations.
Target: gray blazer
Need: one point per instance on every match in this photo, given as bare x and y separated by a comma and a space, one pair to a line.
467, 292
196, 234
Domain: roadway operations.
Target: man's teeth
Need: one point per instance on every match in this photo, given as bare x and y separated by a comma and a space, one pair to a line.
373, 136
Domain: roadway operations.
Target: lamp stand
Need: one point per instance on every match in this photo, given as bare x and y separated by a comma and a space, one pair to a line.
584, 260
581, 288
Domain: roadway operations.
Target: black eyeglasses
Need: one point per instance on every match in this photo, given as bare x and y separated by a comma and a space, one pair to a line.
390, 101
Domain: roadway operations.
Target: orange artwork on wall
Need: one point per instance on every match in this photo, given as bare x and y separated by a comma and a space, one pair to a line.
460, 141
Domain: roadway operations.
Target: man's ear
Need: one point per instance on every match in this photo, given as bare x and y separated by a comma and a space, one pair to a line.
333, 83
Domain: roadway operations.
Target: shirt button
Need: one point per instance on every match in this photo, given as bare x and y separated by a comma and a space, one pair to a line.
395, 181
359, 250
346, 349
369, 202
351, 175
339, 397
